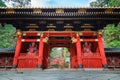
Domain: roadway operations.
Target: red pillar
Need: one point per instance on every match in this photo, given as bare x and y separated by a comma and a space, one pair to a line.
41, 47
74, 61
102, 53
79, 54
17, 51
47, 57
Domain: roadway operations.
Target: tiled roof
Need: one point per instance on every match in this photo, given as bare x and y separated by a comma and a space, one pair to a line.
112, 50
7, 50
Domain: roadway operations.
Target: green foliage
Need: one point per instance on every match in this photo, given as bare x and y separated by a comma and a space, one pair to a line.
65, 51
93, 4
114, 44
7, 39
57, 53
18, 3
114, 3
112, 36
2, 4
97, 3
105, 3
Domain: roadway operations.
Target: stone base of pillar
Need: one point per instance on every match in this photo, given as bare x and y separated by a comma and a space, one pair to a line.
80, 66
105, 66
14, 66
39, 66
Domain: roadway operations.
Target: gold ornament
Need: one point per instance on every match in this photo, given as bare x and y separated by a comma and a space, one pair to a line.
73, 40
45, 40
18, 33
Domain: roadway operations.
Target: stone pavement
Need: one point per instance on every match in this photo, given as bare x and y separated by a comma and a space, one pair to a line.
59, 75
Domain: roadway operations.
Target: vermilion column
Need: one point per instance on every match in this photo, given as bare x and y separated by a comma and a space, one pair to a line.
40, 58
17, 51
79, 54
47, 57
102, 53
72, 56
74, 61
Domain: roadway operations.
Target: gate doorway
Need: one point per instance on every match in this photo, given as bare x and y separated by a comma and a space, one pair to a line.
59, 58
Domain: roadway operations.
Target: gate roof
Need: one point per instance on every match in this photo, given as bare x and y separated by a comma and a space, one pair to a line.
80, 18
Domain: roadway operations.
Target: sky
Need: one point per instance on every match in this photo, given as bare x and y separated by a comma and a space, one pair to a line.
60, 3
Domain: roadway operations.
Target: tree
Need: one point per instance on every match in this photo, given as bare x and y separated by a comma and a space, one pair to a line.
58, 52
2, 4
92, 4
105, 3
112, 36
99, 3
114, 3
17, 3
7, 39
